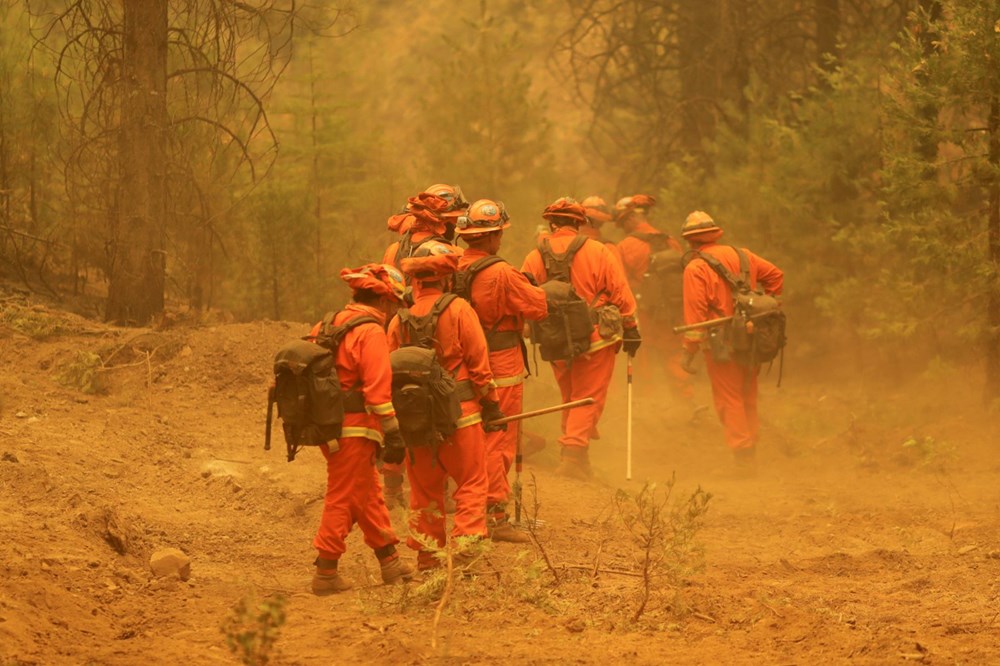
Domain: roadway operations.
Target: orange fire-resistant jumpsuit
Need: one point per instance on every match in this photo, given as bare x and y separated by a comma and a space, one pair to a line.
461, 348
635, 253
393, 472
503, 298
596, 274
707, 296
353, 488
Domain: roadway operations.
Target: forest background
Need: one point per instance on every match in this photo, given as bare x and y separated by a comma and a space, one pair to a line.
232, 156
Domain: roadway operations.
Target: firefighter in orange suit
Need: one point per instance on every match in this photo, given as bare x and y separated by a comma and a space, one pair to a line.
415, 227
655, 316
504, 299
708, 296
461, 348
598, 279
429, 216
598, 213
353, 491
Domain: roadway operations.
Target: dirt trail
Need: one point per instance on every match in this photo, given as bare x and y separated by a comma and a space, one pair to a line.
848, 544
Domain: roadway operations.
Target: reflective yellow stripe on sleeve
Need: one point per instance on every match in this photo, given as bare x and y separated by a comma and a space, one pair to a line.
360, 431
471, 419
504, 382
382, 410
601, 344
694, 336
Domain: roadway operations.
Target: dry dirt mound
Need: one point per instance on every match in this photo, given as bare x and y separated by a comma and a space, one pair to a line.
852, 543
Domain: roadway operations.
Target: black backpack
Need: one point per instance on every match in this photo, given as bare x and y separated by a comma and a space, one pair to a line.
756, 334
424, 393
311, 402
662, 293
565, 332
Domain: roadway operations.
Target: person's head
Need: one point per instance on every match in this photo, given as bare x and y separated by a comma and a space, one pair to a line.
432, 265
457, 205
380, 286
630, 211
700, 229
483, 224
597, 210
565, 212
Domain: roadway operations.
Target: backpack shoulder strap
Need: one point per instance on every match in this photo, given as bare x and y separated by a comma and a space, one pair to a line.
405, 247
464, 279
420, 330
560, 266
744, 266
734, 283
330, 335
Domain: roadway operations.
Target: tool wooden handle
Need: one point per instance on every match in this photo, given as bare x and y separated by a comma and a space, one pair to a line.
541, 412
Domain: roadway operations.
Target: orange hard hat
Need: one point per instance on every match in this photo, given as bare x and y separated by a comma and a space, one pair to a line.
457, 203
640, 203
700, 224
428, 212
484, 216
565, 210
597, 210
383, 279
432, 260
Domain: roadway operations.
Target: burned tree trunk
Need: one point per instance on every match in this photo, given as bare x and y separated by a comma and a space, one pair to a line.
993, 234
136, 246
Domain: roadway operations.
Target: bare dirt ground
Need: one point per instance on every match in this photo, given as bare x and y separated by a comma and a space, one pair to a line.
870, 534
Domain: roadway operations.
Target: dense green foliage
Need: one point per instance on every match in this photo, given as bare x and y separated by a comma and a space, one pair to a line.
856, 145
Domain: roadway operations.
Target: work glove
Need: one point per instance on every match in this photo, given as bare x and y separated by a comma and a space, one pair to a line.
631, 341
491, 412
687, 363
393, 446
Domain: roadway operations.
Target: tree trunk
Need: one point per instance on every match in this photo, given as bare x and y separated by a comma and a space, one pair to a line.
827, 34
137, 258
698, 35
993, 228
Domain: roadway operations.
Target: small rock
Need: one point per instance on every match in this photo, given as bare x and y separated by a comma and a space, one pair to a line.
169, 562
33, 419
964, 550
21, 415
9, 457
185, 351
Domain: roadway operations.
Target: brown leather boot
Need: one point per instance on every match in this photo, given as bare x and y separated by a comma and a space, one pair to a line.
575, 463
500, 528
327, 580
394, 570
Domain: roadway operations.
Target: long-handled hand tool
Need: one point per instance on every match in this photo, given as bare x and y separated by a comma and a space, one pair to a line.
628, 424
516, 489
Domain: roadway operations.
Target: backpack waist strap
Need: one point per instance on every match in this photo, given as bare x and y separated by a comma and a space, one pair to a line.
465, 390
354, 402
500, 340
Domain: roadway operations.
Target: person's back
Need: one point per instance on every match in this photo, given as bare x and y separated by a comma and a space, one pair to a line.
707, 295
598, 279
